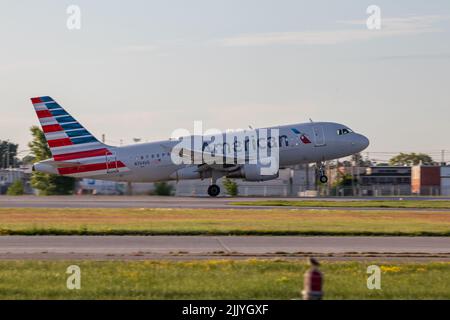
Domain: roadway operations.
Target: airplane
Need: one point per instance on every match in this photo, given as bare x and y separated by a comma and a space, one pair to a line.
77, 153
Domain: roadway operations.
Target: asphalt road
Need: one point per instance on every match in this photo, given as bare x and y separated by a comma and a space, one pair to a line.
157, 202
175, 247
111, 202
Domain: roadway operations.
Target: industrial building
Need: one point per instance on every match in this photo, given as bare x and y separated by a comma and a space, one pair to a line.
430, 180
385, 180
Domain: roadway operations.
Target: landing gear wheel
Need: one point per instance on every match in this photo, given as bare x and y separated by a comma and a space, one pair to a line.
321, 172
213, 190
323, 179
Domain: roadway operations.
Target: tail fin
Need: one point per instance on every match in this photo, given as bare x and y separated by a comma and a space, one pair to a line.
66, 137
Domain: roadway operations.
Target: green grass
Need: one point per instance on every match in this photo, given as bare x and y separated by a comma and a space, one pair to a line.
278, 221
214, 279
417, 204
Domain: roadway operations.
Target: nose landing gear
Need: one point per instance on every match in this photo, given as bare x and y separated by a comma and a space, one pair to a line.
323, 179
321, 173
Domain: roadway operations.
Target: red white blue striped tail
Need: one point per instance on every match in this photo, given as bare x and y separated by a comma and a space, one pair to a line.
70, 142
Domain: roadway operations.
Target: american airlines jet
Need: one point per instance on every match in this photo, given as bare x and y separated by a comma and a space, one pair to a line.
77, 153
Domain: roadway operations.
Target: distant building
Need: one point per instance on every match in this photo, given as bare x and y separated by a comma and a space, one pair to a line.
370, 181
101, 187
431, 180
9, 176
303, 180
445, 180
385, 180
336, 173
386, 175
426, 180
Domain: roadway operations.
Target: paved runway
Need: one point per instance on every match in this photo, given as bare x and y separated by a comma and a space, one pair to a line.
174, 247
177, 247
160, 202
111, 202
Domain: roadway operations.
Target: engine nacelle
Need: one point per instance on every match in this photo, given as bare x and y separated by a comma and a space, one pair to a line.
189, 173
252, 172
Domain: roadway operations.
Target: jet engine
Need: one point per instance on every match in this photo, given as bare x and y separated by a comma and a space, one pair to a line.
191, 172
252, 172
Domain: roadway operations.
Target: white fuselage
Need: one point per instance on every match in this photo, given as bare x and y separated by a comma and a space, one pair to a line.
151, 162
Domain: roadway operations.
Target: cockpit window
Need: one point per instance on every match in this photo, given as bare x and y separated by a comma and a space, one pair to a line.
343, 131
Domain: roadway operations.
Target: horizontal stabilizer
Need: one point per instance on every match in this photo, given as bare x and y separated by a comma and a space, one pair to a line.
61, 164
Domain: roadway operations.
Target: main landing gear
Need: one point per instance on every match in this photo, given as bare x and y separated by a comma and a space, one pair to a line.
321, 173
213, 190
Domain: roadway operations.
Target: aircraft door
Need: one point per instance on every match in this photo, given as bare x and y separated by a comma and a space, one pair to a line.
319, 136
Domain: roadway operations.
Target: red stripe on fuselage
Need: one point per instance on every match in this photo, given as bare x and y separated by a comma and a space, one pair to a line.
59, 143
43, 114
91, 167
52, 128
82, 154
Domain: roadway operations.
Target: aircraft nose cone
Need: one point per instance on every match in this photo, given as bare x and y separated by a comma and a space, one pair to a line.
359, 143
363, 142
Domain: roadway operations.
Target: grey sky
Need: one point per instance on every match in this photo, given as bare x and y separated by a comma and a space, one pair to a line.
145, 68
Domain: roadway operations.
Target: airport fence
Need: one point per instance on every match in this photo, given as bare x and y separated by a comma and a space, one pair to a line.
287, 190
383, 191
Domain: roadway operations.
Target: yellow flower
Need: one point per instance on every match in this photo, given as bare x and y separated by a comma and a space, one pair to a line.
283, 279
390, 269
